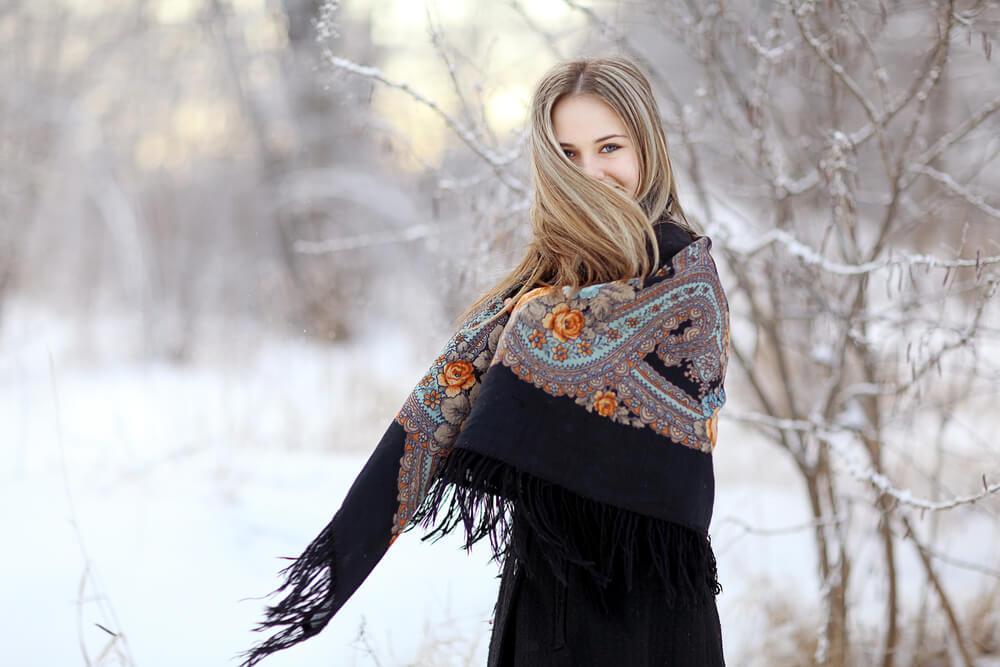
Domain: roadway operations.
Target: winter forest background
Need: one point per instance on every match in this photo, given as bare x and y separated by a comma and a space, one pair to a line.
234, 233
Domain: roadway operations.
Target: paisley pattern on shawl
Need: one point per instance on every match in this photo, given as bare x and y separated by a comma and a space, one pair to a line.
596, 348
600, 347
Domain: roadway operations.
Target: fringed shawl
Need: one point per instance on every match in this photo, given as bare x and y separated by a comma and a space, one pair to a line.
585, 422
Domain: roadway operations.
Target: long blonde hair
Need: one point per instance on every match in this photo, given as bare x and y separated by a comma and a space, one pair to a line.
585, 231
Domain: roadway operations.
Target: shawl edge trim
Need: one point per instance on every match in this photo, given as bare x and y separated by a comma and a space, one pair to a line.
480, 495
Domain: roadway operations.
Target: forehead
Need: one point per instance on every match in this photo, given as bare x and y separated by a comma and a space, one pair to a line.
584, 118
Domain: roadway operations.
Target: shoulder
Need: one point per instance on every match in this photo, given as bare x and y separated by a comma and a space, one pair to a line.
532, 294
672, 238
668, 229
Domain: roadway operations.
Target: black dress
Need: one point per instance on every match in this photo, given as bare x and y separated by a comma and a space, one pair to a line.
539, 622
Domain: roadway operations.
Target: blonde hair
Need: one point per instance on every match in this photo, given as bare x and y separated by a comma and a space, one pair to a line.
585, 231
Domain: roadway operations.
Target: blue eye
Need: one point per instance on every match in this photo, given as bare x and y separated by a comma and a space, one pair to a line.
616, 147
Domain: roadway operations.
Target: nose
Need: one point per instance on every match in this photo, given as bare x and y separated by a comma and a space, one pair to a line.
592, 169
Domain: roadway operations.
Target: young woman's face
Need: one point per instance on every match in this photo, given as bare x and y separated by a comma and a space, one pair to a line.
593, 137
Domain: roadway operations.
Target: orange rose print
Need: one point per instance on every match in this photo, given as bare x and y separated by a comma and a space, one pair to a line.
565, 322
531, 294
456, 377
605, 403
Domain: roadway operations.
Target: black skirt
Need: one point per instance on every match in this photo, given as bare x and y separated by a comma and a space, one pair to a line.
540, 622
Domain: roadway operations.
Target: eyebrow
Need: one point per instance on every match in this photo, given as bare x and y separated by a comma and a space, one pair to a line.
596, 141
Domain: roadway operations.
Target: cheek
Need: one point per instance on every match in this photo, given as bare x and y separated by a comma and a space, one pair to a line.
628, 172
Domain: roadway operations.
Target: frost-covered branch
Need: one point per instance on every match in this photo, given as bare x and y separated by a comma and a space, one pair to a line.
960, 342
962, 191
953, 136
498, 162
410, 233
812, 257
830, 435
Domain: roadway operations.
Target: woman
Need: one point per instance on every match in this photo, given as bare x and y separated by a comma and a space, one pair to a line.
572, 417
605, 119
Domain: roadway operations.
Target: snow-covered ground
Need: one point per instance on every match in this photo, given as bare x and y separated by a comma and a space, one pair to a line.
154, 500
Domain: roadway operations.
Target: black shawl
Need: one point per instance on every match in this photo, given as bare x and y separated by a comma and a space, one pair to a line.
591, 417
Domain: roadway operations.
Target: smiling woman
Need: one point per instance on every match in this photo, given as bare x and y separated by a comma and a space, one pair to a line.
602, 177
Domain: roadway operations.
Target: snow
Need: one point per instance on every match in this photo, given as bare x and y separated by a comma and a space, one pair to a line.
155, 499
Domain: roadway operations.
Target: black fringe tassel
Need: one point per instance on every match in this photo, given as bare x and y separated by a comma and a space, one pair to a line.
520, 512
308, 606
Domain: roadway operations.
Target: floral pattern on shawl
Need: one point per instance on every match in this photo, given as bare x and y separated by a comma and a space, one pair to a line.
609, 346
433, 413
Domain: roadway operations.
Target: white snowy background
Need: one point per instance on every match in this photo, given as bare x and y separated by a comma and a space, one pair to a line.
191, 376
153, 499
